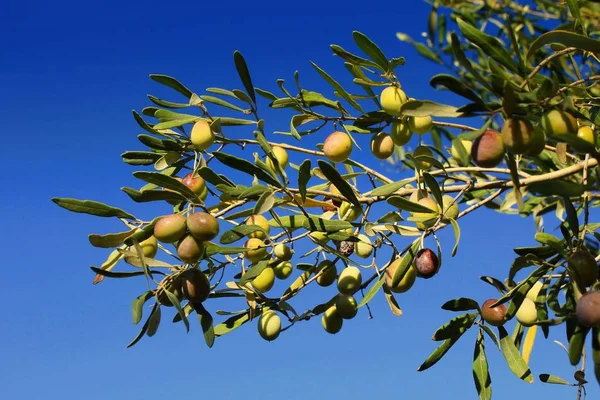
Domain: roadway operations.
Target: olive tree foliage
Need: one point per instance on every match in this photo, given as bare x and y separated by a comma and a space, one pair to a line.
524, 143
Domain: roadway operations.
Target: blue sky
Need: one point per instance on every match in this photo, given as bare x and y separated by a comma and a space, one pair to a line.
71, 73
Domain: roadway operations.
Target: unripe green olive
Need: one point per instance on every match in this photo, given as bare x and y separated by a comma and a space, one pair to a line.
392, 99
527, 313
349, 280
346, 306
332, 322
283, 252
269, 325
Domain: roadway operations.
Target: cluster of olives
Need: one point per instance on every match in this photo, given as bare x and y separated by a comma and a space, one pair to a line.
392, 98
526, 314
425, 265
188, 234
344, 307
202, 137
583, 268
338, 146
521, 137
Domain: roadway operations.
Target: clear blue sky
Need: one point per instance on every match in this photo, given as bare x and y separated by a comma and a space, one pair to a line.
71, 73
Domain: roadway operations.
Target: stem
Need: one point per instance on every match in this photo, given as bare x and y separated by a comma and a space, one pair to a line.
586, 210
544, 62
453, 125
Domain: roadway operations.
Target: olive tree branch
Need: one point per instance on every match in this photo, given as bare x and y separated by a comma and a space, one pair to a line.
544, 62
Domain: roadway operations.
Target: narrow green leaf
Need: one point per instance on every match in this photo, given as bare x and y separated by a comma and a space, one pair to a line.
424, 108
172, 83
513, 358
239, 232
491, 335
166, 103
421, 48
465, 62
434, 187
289, 221
371, 50
221, 102
389, 188
455, 327
92, 208
550, 240
211, 177
212, 249
254, 271
495, 283
571, 217
228, 121
490, 45
221, 91
576, 343
438, 353
303, 177
324, 225
392, 303
557, 187
140, 157
372, 291
519, 292
144, 329
245, 166
341, 91
472, 135
568, 39
167, 160
353, 58
340, 183
541, 251
242, 69
177, 303
143, 124
168, 182
154, 321
206, 322
553, 379
406, 262
407, 205
112, 274
241, 95
456, 230
137, 306
175, 123
152, 195
509, 101
481, 373
168, 115
231, 324
575, 12
187, 310
460, 304
463, 155
456, 86
109, 240
264, 203
266, 94
254, 191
